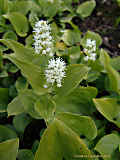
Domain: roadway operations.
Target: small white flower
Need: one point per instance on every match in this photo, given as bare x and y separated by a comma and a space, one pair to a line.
45, 86
55, 71
43, 41
86, 58
90, 50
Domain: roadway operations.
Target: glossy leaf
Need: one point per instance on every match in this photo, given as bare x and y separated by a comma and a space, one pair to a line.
9, 149
19, 22
86, 8
15, 107
79, 101
21, 52
33, 74
82, 125
107, 145
10, 35
22, 7
25, 54
49, 9
74, 75
115, 63
109, 108
71, 37
60, 141
24, 103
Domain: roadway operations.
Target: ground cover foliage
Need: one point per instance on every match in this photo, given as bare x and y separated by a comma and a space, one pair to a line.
59, 83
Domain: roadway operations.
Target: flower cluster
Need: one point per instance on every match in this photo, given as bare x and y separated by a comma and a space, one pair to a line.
90, 50
55, 71
43, 41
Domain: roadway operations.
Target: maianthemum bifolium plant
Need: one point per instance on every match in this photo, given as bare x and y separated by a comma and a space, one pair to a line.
60, 75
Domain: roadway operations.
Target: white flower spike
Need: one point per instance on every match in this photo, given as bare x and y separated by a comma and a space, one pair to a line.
90, 50
43, 41
55, 71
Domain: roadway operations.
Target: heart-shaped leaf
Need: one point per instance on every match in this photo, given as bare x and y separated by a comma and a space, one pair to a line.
19, 22
109, 108
107, 145
58, 142
71, 37
24, 103
82, 125
86, 8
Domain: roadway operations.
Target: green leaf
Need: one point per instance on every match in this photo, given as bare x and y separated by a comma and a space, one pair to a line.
9, 149
21, 84
113, 75
46, 108
4, 99
82, 125
22, 7
86, 8
10, 35
25, 154
33, 73
107, 145
9, 67
74, 54
21, 52
19, 22
25, 54
20, 122
1, 61
92, 36
24, 103
92, 76
115, 63
35, 145
118, 1
71, 37
49, 9
4, 95
74, 75
79, 101
109, 108
6, 133
60, 141
3, 6
15, 107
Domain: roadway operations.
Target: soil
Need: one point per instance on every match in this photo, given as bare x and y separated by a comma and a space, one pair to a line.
103, 21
